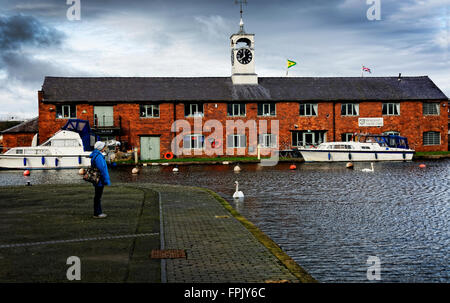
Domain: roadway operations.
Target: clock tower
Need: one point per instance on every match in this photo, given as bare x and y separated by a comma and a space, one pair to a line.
243, 57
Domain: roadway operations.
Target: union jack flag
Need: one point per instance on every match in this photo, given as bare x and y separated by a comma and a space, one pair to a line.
366, 69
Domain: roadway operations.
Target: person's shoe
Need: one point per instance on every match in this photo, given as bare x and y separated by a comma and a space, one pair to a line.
101, 216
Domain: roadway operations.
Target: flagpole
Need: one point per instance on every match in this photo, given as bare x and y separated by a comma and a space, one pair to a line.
287, 67
362, 71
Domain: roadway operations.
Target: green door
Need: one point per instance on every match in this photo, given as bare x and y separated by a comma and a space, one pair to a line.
150, 148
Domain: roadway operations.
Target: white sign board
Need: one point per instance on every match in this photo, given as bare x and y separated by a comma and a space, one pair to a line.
370, 122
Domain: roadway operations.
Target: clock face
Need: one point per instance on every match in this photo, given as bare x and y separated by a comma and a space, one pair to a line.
244, 56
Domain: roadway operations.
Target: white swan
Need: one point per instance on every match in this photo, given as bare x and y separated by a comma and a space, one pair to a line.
368, 170
238, 194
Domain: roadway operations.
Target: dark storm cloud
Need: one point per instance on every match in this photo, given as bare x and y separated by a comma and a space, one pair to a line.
19, 31
19, 36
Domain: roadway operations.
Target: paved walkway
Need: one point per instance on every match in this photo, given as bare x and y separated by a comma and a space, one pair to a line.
219, 248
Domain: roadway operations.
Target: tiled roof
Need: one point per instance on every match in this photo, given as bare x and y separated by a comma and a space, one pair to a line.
214, 89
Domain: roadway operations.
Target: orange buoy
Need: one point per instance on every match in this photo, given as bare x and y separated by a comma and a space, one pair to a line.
26, 173
422, 165
292, 167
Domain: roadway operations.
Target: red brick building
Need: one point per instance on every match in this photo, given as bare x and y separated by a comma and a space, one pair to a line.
20, 135
141, 111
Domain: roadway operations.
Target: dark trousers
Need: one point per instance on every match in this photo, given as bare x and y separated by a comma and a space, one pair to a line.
98, 200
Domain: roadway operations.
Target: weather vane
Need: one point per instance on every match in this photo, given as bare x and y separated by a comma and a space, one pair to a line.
241, 2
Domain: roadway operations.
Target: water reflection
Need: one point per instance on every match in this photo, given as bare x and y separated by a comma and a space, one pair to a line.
330, 219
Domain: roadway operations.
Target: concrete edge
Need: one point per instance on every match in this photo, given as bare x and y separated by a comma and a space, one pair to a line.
287, 261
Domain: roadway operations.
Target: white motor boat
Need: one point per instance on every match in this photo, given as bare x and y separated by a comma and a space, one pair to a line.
66, 149
365, 148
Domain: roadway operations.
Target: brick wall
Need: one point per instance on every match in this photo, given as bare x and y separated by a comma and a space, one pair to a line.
16, 139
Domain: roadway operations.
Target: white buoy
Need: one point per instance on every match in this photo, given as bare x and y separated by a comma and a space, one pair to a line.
225, 162
81, 171
175, 169
145, 164
237, 168
135, 171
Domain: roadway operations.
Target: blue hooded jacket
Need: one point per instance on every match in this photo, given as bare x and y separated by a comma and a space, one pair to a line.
100, 163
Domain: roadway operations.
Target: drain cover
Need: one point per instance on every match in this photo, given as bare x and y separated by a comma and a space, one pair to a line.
168, 254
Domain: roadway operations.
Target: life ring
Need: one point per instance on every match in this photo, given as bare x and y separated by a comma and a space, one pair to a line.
216, 144
168, 155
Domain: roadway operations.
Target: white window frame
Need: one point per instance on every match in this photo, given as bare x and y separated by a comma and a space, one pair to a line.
146, 107
354, 109
268, 112
66, 108
200, 138
348, 136
236, 107
426, 141
241, 141
197, 107
267, 140
436, 106
311, 106
390, 109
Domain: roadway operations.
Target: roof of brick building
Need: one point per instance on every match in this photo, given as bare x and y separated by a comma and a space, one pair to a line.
29, 126
214, 89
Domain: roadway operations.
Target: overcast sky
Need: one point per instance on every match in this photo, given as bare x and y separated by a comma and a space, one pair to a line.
191, 38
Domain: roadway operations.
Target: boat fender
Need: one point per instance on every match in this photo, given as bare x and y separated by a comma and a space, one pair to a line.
79, 159
24, 161
56, 161
43, 160
168, 155
376, 156
349, 156
404, 156
329, 156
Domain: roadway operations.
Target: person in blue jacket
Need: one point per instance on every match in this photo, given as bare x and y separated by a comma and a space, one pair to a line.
98, 160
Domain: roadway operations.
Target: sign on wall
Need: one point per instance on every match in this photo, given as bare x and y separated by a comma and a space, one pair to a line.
370, 122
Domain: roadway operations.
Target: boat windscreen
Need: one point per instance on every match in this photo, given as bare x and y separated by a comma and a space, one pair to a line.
84, 130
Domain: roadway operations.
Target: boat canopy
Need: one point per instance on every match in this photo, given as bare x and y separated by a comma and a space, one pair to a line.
393, 141
84, 130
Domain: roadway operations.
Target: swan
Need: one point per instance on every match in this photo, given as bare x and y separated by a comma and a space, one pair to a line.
368, 170
238, 194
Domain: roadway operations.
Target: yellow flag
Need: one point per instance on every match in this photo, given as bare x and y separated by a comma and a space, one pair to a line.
290, 63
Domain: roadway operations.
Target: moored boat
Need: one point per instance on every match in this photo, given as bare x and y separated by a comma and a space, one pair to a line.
70, 147
364, 147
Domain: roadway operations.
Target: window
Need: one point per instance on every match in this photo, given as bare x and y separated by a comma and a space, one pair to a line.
66, 111
391, 109
308, 109
267, 140
431, 138
307, 138
266, 109
346, 137
430, 108
19, 151
65, 143
236, 109
194, 141
193, 110
236, 141
149, 111
350, 109
342, 147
